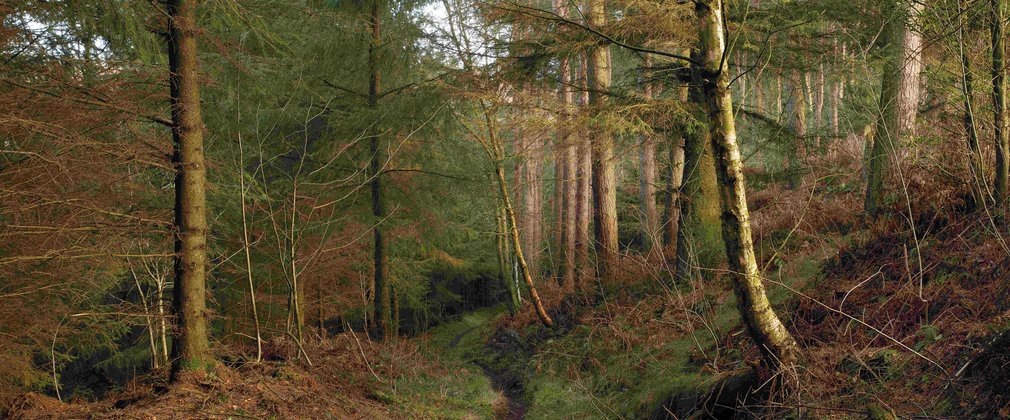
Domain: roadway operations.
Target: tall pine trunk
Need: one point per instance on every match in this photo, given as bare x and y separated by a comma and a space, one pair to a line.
799, 120
382, 310
899, 99
647, 175
583, 190
774, 341
604, 182
566, 199
672, 213
191, 349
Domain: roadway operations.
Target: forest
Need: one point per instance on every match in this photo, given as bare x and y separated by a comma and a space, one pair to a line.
463, 209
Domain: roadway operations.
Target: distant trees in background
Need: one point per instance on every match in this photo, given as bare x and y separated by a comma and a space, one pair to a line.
327, 158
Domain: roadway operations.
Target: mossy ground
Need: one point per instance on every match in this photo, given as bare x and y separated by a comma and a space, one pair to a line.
460, 390
629, 356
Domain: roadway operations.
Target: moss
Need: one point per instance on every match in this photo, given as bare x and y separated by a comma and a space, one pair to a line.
459, 389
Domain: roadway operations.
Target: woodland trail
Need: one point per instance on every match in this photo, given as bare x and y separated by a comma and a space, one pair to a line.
468, 342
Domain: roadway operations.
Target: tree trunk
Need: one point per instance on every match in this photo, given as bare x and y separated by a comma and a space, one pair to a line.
381, 305
699, 241
899, 99
975, 170
647, 176
583, 191
799, 119
517, 246
778, 96
773, 340
819, 107
999, 99
191, 349
604, 182
504, 265
671, 222
246, 247
567, 215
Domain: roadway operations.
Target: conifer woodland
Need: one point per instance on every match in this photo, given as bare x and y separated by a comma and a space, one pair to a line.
504, 209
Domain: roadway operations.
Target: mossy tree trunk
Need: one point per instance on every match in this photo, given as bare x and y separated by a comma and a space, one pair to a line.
699, 241
510, 216
776, 344
899, 98
190, 349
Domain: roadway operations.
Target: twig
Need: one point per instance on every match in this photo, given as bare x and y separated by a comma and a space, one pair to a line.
363, 353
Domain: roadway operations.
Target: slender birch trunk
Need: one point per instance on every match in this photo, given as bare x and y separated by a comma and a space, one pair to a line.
999, 99
248, 252
774, 341
517, 246
975, 169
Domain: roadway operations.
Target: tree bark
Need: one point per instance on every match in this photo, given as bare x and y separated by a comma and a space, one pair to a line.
191, 349
382, 311
699, 241
799, 119
583, 191
604, 182
647, 176
899, 99
999, 99
671, 222
978, 188
517, 246
566, 217
774, 341
819, 107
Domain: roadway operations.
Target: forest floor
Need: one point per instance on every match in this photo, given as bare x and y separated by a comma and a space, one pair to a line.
901, 316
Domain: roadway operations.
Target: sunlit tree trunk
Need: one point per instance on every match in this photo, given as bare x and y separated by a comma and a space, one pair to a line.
604, 182
999, 99
778, 96
647, 175
517, 246
190, 349
899, 98
583, 191
798, 110
774, 341
382, 311
568, 185
819, 107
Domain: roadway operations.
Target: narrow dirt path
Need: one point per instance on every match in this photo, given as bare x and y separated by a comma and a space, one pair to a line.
513, 392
